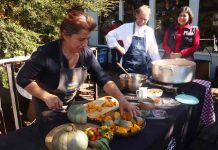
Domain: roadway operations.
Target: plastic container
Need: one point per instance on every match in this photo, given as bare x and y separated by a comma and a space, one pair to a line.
103, 56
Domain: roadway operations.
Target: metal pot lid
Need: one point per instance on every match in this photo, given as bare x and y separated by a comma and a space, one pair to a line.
187, 99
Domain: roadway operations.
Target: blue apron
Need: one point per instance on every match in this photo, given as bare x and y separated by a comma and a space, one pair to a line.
135, 59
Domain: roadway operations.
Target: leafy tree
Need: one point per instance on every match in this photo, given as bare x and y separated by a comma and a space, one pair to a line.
25, 24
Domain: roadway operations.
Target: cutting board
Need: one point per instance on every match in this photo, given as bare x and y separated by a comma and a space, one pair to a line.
101, 106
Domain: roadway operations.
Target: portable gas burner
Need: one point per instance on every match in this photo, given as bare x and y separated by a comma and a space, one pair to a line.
166, 87
169, 89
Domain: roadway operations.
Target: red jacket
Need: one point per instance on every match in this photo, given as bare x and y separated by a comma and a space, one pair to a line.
181, 40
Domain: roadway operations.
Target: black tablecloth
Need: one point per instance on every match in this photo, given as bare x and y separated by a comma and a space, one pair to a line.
181, 126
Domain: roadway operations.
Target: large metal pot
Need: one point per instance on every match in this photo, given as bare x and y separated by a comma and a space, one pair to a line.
174, 71
132, 81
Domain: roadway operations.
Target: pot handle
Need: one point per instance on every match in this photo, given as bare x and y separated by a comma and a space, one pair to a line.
166, 68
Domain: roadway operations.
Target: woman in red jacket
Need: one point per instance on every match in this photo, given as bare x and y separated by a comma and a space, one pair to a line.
182, 39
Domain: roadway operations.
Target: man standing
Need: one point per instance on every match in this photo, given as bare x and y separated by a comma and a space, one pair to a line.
139, 42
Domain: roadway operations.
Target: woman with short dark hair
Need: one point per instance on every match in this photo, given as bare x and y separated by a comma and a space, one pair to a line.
57, 69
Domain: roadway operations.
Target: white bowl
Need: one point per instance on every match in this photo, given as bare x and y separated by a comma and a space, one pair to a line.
154, 92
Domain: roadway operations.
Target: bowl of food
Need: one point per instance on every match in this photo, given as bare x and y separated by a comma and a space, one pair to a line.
154, 93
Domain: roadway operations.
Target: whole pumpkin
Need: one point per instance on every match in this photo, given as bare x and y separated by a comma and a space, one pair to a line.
77, 113
70, 139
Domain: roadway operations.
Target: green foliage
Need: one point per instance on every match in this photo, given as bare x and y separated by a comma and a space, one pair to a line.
3, 77
16, 41
26, 24
103, 7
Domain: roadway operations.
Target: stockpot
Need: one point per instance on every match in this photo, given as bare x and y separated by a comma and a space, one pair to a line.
174, 71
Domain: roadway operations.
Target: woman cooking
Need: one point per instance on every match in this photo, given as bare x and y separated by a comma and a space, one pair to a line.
56, 70
182, 39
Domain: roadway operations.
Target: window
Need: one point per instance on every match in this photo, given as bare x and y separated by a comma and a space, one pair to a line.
208, 24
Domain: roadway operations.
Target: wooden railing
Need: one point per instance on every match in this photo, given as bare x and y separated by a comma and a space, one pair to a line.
10, 66
214, 39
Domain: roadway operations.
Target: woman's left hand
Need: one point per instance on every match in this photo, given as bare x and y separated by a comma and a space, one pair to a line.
126, 106
175, 55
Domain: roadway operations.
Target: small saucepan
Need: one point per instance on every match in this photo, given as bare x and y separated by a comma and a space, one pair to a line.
132, 81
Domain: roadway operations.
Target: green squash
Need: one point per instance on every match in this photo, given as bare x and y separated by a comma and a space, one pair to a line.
70, 139
125, 123
77, 114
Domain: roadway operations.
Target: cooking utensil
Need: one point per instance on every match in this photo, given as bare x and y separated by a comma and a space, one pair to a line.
175, 71
123, 68
62, 109
131, 82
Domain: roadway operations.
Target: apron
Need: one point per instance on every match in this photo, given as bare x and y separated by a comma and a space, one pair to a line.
69, 82
135, 59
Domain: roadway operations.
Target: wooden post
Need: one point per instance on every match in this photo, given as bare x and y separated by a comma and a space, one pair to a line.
2, 120
14, 100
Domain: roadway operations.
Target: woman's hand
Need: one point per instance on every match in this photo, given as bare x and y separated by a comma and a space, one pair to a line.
126, 106
175, 55
53, 102
111, 89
